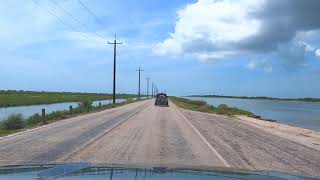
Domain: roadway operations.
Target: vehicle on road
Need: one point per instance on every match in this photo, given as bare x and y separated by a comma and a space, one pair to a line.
161, 100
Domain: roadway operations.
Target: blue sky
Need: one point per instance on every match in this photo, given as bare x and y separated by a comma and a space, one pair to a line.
245, 47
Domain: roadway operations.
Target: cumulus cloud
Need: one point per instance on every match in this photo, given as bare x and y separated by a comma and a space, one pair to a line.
317, 53
210, 29
210, 26
309, 47
260, 64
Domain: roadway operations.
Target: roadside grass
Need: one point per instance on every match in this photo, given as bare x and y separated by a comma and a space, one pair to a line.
306, 99
16, 122
22, 98
202, 106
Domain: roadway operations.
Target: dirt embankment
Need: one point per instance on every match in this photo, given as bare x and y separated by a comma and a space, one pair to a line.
303, 136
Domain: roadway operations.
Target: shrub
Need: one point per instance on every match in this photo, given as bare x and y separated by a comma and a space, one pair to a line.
85, 105
224, 109
56, 115
34, 119
1, 126
202, 106
14, 121
130, 99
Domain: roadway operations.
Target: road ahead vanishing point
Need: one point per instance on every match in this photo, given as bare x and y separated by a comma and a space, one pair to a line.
142, 134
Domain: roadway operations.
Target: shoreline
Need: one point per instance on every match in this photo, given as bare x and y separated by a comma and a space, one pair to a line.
307, 137
266, 99
65, 116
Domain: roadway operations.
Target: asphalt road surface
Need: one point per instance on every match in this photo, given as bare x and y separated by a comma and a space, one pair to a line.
142, 134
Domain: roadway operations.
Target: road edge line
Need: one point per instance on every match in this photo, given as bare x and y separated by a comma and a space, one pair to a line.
100, 136
56, 123
210, 146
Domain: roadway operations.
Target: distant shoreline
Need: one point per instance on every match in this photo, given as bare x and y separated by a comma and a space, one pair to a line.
316, 100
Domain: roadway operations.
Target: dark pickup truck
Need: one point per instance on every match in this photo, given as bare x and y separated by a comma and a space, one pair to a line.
161, 100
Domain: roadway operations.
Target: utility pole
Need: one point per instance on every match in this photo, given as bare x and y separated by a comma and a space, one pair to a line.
114, 66
139, 82
152, 90
148, 87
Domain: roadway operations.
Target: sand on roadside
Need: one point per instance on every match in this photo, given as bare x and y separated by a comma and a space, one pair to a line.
303, 136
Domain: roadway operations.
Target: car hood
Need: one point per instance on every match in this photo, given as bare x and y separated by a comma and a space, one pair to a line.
116, 171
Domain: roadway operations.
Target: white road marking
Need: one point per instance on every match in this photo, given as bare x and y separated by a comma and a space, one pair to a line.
58, 122
212, 149
70, 155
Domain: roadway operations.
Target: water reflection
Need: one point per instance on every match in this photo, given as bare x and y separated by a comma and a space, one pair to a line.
27, 111
296, 113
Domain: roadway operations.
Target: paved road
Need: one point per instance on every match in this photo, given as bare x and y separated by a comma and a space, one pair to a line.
58, 141
142, 134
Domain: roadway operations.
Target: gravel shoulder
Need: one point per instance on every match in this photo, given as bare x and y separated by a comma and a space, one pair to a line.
303, 136
247, 146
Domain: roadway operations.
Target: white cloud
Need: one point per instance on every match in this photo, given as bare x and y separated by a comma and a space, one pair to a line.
260, 64
317, 53
26, 23
23, 25
208, 26
220, 29
308, 46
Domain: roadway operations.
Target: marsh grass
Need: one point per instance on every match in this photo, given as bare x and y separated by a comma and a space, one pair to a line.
22, 98
14, 121
202, 106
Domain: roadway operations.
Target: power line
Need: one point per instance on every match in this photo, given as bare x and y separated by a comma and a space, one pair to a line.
131, 59
74, 18
61, 21
91, 12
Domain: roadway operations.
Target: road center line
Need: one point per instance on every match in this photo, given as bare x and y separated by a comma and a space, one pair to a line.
210, 146
101, 135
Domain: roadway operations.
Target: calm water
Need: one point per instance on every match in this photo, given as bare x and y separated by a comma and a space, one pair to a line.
301, 114
30, 110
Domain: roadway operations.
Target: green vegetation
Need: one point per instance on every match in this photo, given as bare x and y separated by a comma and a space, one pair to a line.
85, 106
262, 98
202, 106
20, 98
16, 122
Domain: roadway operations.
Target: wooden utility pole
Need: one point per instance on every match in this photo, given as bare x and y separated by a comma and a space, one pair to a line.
139, 82
114, 66
148, 87
152, 90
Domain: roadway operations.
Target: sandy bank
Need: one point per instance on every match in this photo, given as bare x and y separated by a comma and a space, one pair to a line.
303, 136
